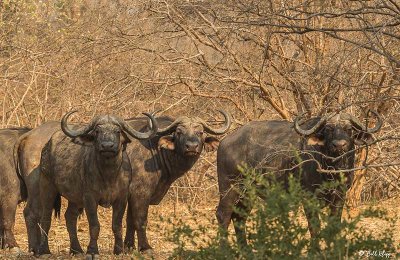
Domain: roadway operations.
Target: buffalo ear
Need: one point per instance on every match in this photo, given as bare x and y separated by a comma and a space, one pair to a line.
315, 140
166, 142
125, 139
211, 143
85, 140
363, 138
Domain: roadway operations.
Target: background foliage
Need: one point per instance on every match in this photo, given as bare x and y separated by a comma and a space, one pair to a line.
257, 59
275, 230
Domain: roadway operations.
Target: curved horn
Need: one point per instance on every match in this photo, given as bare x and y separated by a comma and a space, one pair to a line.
301, 131
357, 124
139, 135
171, 127
75, 133
153, 114
223, 129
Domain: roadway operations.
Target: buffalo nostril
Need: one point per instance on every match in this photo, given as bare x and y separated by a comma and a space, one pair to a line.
191, 146
107, 145
340, 143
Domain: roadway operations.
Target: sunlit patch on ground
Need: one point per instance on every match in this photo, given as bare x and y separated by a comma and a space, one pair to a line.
203, 215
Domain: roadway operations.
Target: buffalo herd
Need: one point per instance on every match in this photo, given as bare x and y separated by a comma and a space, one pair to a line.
101, 164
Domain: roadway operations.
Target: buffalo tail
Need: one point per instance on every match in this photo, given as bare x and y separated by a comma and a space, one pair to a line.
57, 206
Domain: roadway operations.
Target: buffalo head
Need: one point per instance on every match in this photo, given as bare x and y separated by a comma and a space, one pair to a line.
187, 135
337, 133
107, 133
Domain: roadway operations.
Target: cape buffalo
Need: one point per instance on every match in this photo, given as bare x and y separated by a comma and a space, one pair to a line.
325, 143
88, 167
11, 187
163, 159
27, 151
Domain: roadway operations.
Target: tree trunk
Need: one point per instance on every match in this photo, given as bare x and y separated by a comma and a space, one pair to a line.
353, 197
354, 193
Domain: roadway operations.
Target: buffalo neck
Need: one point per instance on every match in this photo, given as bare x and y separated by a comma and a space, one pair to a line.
108, 167
345, 162
174, 164
325, 158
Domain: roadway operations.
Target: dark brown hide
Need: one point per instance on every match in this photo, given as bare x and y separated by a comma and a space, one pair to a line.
274, 146
162, 160
89, 169
11, 187
27, 151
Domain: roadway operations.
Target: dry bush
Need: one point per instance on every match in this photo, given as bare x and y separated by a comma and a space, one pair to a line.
257, 59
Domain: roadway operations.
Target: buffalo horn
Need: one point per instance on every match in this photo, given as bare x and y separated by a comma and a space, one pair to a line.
357, 124
301, 131
221, 130
75, 133
153, 114
139, 135
169, 129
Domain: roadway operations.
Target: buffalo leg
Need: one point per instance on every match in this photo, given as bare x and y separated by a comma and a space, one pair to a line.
118, 214
1, 228
94, 225
139, 211
48, 195
336, 208
8, 224
32, 219
129, 242
71, 217
239, 218
227, 201
33, 210
336, 203
1, 238
314, 226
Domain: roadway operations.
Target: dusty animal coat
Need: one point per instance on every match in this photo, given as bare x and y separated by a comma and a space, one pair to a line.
162, 160
274, 146
89, 168
27, 151
12, 189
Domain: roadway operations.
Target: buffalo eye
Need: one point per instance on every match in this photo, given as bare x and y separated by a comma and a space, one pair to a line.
199, 133
328, 129
178, 132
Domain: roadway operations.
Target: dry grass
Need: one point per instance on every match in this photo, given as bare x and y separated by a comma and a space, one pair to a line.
125, 57
59, 240
202, 214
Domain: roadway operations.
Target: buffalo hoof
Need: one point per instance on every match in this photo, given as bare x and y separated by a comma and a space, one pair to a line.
129, 249
15, 251
92, 257
147, 253
45, 256
118, 250
76, 252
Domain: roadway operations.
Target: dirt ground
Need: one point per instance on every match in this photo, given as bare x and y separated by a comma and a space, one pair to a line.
158, 229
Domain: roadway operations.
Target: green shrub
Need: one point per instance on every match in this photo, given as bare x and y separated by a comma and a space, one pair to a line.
275, 231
